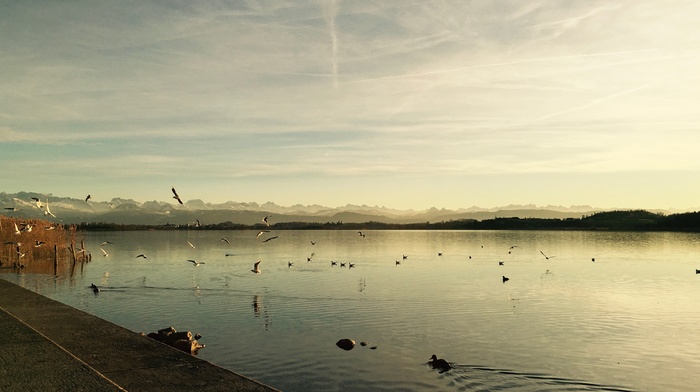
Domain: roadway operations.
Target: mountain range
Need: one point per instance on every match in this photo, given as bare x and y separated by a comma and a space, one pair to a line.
128, 211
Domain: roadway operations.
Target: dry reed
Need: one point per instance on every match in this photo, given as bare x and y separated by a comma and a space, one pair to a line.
38, 241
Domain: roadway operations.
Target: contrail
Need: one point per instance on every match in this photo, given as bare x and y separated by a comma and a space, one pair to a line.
499, 64
330, 9
592, 103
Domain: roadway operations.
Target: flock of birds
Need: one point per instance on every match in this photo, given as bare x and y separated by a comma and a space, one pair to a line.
436, 363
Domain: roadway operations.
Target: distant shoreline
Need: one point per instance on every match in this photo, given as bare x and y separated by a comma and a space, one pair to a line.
636, 220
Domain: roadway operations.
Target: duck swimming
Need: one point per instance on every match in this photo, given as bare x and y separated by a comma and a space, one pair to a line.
439, 364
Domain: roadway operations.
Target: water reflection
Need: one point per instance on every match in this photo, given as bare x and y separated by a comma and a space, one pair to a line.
260, 311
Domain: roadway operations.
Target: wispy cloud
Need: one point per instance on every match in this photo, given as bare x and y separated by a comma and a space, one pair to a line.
330, 9
383, 93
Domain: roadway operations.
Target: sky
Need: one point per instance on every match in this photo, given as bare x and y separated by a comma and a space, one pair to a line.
404, 104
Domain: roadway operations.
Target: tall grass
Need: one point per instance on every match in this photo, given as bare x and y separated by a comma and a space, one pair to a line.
38, 242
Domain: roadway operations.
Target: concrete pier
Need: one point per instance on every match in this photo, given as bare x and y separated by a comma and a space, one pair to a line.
48, 346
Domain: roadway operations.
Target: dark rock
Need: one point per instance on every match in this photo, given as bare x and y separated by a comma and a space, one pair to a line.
346, 344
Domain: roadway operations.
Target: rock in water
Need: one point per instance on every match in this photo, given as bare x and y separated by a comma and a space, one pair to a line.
346, 344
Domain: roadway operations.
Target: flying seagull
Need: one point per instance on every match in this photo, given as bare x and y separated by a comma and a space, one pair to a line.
261, 233
265, 220
48, 211
224, 239
190, 244
270, 239
142, 255
105, 243
547, 257
88, 197
17, 229
196, 263
38, 202
176, 197
104, 252
256, 267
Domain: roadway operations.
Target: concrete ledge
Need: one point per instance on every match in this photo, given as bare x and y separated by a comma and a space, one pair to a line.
46, 345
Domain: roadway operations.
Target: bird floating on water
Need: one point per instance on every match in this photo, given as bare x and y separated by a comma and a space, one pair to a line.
176, 196
439, 364
256, 267
196, 263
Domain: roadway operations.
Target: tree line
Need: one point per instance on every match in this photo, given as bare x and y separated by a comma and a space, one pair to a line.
629, 220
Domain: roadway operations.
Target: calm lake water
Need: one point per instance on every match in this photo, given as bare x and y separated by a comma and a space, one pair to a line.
626, 321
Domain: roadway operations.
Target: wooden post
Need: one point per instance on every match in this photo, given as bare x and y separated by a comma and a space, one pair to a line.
55, 259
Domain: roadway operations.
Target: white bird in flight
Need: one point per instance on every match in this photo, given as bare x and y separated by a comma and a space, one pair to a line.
48, 212
105, 254
190, 244
224, 239
196, 263
17, 229
261, 233
256, 267
265, 220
